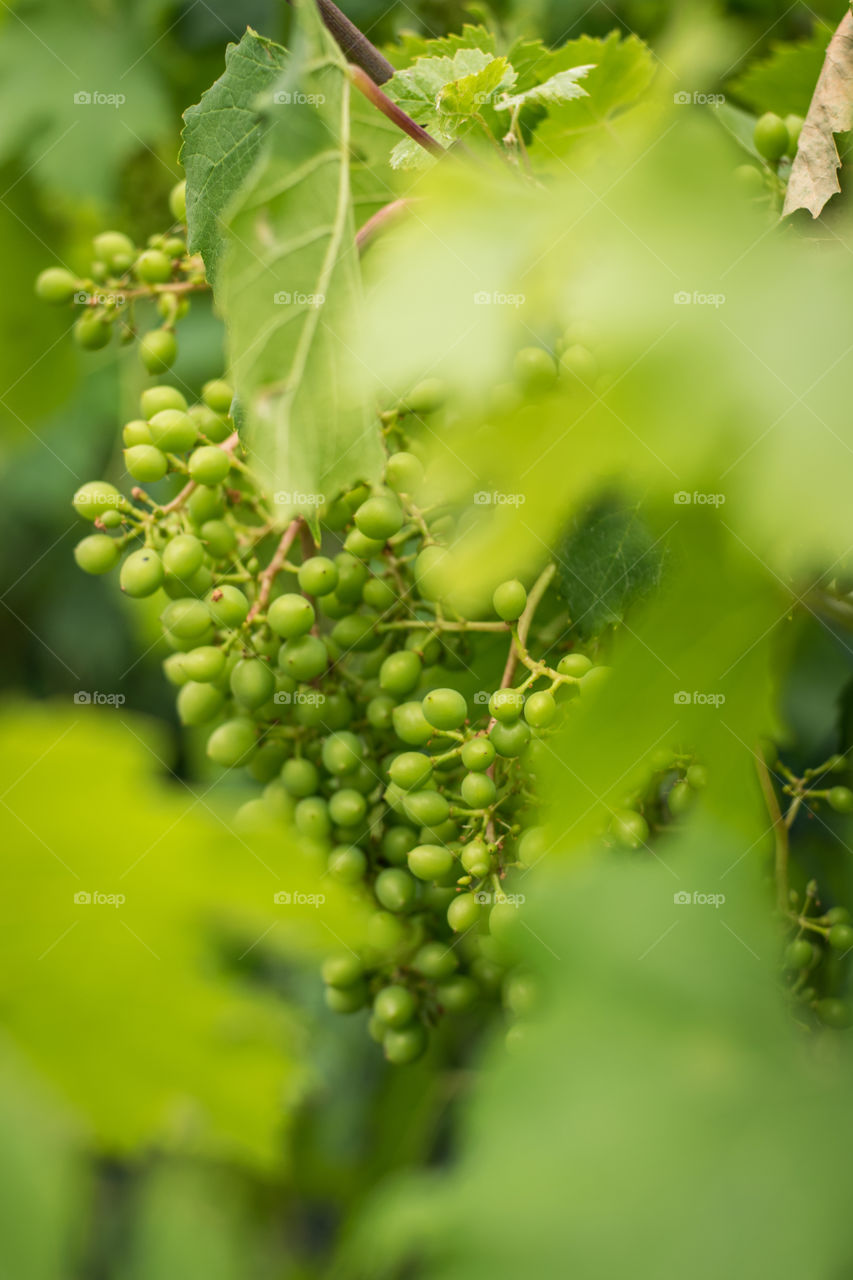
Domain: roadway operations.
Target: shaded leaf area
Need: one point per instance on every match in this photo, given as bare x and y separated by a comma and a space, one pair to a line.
291, 288
784, 81
606, 562
814, 173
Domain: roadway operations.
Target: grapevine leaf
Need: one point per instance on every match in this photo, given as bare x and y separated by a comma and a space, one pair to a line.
605, 563
411, 46
466, 96
561, 87
222, 139
290, 287
784, 81
814, 173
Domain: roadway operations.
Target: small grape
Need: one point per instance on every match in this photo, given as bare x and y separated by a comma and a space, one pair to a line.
770, 136
219, 538
478, 754
444, 708
362, 547
535, 370
410, 770
318, 576
478, 790
198, 703
97, 553
186, 618
379, 518
342, 970
153, 267
427, 808
403, 472
210, 424
158, 350
116, 250
227, 605
506, 705
92, 330
410, 724
156, 399
574, 664
209, 465
252, 683
145, 462
395, 1006
509, 600
697, 776
540, 709
178, 202
680, 799
427, 396
835, 1013
463, 913
172, 430
311, 818
342, 752
395, 889
347, 864
457, 995
799, 954
232, 742
346, 999
135, 432
56, 285
430, 861
397, 843
141, 574
217, 395
205, 663
629, 828
400, 672
841, 937
509, 740
435, 961
300, 777
840, 799
431, 573
304, 657
379, 594
183, 555
291, 616
402, 1046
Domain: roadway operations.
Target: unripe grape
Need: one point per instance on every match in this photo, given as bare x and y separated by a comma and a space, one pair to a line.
158, 350
509, 600
574, 664
395, 1005
356, 632
770, 136
680, 799
156, 399
535, 370
478, 754
172, 430
428, 396
227, 605
840, 799
252, 682
186, 618
475, 857
410, 769
463, 913
506, 705
346, 864
352, 575
311, 818
403, 472
410, 725
400, 673
92, 330
204, 663
379, 518
300, 777
342, 970
141, 574
217, 395
209, 465
427, 808
837, 915
178, 202
198, 703
219, 538
342, 752
458, 994
379, 594
135, 432
435, 961
540, 709
145, 462
346, 999
115, 250
444, 708
183, 555
799, 954
304, 657
430, 861
347, 808
509, 740
232, 742
697, 776
431, 572
97, 553
478, 790
210, 424
395, 889
318, 576
174, 669
56, 285
835, 1013
290, 616
629, 828
594, 679
404, 1045
153, 267
359, 545
840, 937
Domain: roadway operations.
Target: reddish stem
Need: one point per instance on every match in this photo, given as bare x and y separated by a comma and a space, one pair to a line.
228, 446
268, 576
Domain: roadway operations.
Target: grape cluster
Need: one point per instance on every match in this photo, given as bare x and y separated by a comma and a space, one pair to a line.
775, 140
121, 275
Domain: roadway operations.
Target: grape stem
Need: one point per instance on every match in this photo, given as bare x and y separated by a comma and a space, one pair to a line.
518, 646
436, 624
395, 114
389, 213
780, 832
275, 565
227, 446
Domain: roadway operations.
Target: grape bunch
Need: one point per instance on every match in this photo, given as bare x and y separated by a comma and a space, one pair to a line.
775, 141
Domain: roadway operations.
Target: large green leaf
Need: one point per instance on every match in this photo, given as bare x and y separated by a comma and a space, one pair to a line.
785, 80
222, 140
291, 288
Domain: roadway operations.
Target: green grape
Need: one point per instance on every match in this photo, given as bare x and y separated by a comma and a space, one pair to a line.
840, 799
680, 799
347, 864
400, 673
697, 777
209, 465
311, 818
111, 519
56, 285
503, 920
183, 555
92, 330
431, 573
356, 632
509, 740
205, 504
435, 961
175, 670
279, 802
267, 760
357, 544
97, 553
379, 518
172, 430
506, 705
478, 790
395, 1005
405, 1045
532, 845
574, 664
478, 754
458, 994
346, 999
835, 1013
227, 605
475, 856
379, 594
594, 679
337, 710
509, 600
158, 350
135, 432
141, 574
252, 683
219, 538
232, 742
799, 954
629, 829
157, 399
426, 645
210, 424
347, 808
410, 769
342, 970
153, 267
410, 725
837, 915
217, 395
116, 250
793, 125
403, 472
342, 752
535, 370
304, 658
352, 575
379, 712
430, 861
145, 462
427, 808
397, 842
444, 708
428, 396
395, 889
318, 576
770, 136
186, 618
841, 937
331, 607
521, 994
540, 709
198, 703
300, 777
178, 202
